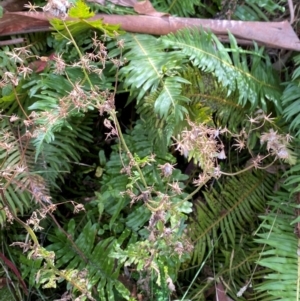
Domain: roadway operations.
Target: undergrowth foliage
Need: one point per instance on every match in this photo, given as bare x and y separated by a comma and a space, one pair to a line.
149, 226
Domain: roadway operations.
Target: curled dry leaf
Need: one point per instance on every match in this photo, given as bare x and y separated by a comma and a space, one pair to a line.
270, 34
146, 8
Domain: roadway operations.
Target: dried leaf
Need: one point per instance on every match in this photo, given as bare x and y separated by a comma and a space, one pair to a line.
13, 23
146, 8
271, 34
220, 292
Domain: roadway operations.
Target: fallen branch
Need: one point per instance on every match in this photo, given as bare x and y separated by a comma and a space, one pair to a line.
271, 34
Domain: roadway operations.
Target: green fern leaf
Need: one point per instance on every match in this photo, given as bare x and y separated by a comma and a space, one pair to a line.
17, 178
169, 97
153, 71
103, 271
182, 8
257, 10
281, 279
290, 99
256, 84
227, 212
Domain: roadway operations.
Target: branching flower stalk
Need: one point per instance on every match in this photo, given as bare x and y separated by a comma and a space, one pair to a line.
40, 252
79, 53
19, 176
111, 112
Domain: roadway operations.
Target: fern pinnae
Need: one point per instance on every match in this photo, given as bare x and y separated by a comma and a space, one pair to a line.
181, 8
281, 243
207, 53
158, 74
225, 207
290, 99
23, 187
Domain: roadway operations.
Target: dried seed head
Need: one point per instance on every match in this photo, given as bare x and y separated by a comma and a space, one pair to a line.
166, 169
57, 8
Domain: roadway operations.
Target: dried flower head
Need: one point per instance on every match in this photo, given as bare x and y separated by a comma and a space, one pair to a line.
14, 56
240, 144
202, 144
155, 217
175, 188
166, 169
60, 64
14, 118
78, 208
276, 144
23, 51
9, 216
171, 285
31, 7
24, 70
57, 8
113, 131
11, 78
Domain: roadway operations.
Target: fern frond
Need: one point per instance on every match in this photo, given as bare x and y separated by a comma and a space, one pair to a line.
161, 130
279, 256
291, 100
103, 271
36, 42
19, 184
113, 180
257, 10
6, 64
152, 70
226, 211
222, 226
182, 8
35, 45
232, 267
50, 153
256, 83
209, 97
278, 236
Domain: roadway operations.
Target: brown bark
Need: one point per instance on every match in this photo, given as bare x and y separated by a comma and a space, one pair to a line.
270, 34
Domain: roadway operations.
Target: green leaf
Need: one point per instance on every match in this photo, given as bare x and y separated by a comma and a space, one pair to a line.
80, 10
255, 82
169, 97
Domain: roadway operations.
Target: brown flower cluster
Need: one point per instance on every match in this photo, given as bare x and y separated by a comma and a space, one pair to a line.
203, 145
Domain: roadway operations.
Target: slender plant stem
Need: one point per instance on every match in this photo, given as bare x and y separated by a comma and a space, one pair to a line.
113, 114
127, 149
80, 55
